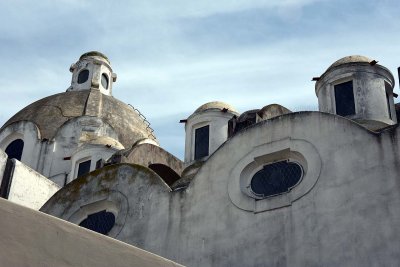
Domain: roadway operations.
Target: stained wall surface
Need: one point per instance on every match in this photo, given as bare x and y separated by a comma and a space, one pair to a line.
344, 212
29, 188
31, 238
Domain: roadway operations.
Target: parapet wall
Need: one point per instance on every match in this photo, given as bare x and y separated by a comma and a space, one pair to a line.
32, 238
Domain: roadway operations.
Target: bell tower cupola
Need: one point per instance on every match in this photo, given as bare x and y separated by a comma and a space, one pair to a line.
92, 72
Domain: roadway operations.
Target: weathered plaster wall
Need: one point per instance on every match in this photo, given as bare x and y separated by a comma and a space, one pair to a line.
29, 188
349, 217
34, 239
3, 162
146, 154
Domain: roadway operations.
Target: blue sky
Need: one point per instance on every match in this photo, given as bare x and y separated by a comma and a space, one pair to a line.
172, 56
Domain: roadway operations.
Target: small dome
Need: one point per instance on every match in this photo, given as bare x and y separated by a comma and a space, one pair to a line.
273, 110
215, 105
350, 59
94, 54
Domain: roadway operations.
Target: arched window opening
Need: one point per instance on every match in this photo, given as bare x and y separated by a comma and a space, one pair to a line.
104, 81
15, 149
276, 178
101, 222
166, 173
83, 76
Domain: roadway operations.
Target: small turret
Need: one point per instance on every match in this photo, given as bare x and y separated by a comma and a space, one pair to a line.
206, 130
358, 88
92, 72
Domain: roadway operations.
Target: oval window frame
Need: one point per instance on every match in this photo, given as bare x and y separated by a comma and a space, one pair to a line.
252, 192
78, 79
298, 150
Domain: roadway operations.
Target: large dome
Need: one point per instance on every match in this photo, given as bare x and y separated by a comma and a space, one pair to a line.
50, 113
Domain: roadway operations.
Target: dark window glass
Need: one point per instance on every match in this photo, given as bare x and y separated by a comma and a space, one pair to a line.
83, 76
344, 98
388, 89
202, 136
104, 80
99, 164
101, 222
276, 178
14, 150
84, 167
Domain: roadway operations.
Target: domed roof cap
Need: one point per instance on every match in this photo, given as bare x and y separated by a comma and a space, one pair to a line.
94, 54
273, 110
350, 59
215, 105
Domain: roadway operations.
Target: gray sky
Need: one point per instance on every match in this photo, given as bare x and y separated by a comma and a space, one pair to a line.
172, 56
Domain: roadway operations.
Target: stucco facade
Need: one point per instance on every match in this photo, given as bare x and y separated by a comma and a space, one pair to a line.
269, 187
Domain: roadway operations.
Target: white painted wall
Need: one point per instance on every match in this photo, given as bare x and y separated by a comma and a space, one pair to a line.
29, 188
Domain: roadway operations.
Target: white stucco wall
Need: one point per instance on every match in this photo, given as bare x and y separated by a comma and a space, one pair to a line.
31, 238
345, 211
29, 188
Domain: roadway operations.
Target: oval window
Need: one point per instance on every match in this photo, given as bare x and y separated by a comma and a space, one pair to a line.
101, 222
83, 76
276, 178
104, 81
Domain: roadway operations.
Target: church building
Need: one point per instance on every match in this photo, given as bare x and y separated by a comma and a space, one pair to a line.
266, 187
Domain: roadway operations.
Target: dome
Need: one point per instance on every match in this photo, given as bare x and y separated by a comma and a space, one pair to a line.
273, 110
215, 105
94, 54
350, 59
50, 113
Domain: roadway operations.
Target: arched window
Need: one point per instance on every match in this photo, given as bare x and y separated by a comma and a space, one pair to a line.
101, 222
83, 76
14, 150
104, 81
276, 178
